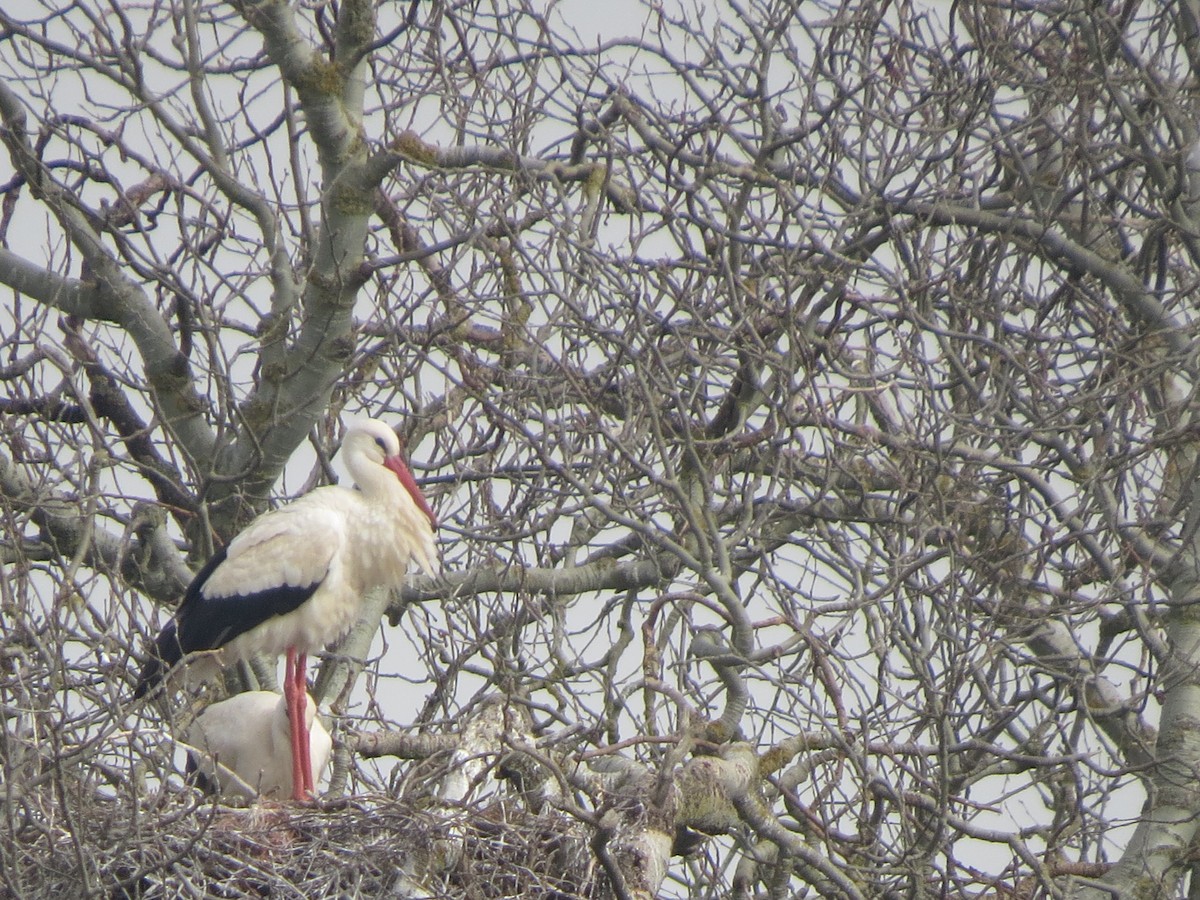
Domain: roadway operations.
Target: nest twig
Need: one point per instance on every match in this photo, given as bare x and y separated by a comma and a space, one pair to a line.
369, 846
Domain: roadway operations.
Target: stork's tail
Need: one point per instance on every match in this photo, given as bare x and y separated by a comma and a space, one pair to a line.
167, 652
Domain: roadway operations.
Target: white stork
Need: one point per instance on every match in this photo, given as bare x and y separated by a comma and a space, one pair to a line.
242, 746
293, 580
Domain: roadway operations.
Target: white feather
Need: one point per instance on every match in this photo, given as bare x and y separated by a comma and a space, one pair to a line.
350, 541
243, 745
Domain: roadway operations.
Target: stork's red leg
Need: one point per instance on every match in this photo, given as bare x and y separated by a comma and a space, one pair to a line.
310, 789
296, 729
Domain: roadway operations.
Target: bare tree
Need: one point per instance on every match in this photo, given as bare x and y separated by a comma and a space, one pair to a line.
806, 391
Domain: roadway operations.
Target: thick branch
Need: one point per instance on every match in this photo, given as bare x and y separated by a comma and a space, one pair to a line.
604, 575
145, 558
373, 744
293, 394
116, 298
1141, 303
319, 83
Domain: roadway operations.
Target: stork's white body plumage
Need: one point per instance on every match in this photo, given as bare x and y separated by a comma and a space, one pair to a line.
294, 579
242, 746
331, 538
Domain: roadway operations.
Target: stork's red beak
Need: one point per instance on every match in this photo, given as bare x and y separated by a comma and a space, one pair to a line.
400, 470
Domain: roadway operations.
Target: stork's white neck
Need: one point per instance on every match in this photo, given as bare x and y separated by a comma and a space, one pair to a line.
377, 483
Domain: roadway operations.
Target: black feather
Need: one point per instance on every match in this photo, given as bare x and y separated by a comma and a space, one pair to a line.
166, 653
207, 623
193, 774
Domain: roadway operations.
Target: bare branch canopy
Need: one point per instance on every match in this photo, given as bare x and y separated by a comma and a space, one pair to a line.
804, 393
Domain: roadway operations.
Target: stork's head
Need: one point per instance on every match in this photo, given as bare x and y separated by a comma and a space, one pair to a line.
375, 443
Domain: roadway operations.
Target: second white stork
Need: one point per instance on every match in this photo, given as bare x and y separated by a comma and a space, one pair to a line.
294, 579
242, 746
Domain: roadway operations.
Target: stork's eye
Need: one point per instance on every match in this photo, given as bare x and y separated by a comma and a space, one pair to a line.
381, 444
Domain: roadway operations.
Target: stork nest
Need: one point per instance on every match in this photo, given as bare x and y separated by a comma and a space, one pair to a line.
362, 847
